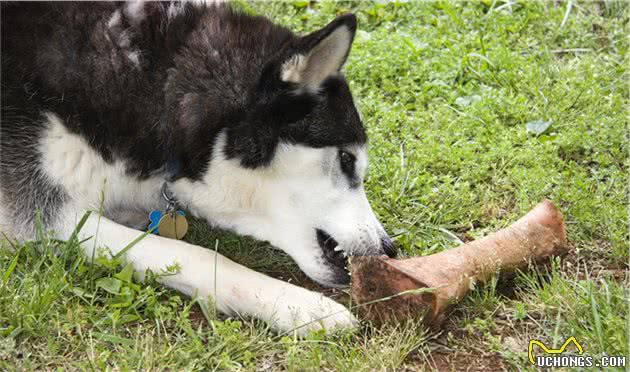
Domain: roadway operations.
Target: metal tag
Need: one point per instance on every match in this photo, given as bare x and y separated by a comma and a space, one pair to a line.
172, 225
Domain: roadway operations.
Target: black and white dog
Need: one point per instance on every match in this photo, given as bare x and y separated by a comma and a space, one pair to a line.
249, 126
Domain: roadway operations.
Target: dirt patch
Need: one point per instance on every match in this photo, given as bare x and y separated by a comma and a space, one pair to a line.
462, 361
595, 265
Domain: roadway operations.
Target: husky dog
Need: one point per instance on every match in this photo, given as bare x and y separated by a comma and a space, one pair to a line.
246, 124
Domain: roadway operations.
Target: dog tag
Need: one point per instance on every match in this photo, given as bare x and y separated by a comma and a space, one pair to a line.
172, 225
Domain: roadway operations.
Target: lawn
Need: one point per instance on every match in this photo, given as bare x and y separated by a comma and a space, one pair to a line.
476, 112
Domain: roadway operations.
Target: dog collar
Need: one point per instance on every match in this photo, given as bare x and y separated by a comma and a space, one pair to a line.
171, 204
172, 222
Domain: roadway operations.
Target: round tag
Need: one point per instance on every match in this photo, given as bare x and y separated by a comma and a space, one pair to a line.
172, 225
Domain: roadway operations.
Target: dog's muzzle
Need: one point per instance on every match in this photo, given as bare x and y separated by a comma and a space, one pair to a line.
337, 258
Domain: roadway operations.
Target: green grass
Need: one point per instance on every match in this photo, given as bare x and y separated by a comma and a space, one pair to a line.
446, 91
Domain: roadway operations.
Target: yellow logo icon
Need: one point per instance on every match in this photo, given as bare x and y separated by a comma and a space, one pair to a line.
547, 350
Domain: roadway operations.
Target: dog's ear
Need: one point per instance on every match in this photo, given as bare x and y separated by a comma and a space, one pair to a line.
320, 54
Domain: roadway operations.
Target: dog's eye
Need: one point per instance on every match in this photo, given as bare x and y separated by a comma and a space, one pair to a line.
347, 162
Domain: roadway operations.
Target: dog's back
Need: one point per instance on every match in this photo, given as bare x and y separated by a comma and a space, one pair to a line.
103, 68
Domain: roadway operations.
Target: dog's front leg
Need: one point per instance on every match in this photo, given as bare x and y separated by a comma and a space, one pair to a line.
234, 288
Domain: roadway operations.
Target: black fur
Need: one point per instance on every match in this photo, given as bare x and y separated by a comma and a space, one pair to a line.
202, 72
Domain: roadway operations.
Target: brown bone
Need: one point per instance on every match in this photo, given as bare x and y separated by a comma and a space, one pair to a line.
451, 273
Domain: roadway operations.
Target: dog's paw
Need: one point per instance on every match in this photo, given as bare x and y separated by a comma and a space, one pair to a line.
307, 311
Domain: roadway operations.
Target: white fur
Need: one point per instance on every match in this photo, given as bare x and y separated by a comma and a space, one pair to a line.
135, 12
70, 162
293, 69
176, 9
115, 20
124, 39
207, 3
134, 57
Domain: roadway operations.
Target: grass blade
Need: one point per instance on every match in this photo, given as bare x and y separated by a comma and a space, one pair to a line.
133, 243
79, 226
9, 271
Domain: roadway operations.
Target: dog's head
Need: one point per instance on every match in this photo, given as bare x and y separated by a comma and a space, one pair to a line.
290, 170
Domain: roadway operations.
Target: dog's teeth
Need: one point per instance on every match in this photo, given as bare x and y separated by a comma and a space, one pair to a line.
338, 249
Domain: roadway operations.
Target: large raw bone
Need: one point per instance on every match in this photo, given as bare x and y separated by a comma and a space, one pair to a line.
535, 237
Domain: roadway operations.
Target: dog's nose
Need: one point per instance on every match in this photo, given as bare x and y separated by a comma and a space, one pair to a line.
388, 246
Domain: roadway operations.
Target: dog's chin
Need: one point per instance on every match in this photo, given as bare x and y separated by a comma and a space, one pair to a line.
335, 278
